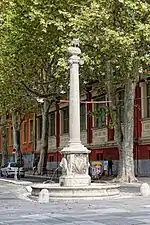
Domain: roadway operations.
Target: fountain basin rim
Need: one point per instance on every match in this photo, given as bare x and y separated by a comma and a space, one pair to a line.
93, 191
92, 186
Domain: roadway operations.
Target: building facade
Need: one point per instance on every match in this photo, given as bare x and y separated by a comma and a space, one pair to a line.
96, 135
27, 140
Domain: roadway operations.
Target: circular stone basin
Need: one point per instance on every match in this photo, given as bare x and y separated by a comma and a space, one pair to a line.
93, 191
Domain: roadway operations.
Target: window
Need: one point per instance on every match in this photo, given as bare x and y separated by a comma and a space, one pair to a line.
51, 158
25, 132
13, 165
100, 117
82, 117
65, 114
99, 156
121, 105
39, 127
6, 165
148, 99
31, 131
52, 124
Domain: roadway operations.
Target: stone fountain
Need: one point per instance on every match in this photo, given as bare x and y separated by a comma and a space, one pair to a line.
75, 183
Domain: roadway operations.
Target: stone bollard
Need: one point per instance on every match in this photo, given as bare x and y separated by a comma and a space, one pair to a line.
44, 196
145, 189
15, 176
29, 189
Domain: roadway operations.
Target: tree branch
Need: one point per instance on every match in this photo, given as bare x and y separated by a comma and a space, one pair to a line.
36, 93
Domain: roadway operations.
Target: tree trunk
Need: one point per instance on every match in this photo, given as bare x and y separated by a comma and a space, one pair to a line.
16, 135
124, 135
44, 149
126, 161
4, 140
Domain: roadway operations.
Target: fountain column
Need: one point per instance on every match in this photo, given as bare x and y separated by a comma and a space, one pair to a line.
75, 157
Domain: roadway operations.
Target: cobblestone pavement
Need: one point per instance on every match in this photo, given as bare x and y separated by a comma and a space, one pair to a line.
16, 211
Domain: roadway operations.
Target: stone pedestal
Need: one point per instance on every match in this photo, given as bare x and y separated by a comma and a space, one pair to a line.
75, 166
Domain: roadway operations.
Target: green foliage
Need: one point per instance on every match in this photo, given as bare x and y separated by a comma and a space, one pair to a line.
36, 35
106, 110
34, 41
118, 31
14, 99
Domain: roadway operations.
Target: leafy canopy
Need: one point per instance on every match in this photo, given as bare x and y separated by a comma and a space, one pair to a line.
36, 35
117, 31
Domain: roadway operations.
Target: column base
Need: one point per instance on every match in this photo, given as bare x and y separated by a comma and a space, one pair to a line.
75, 166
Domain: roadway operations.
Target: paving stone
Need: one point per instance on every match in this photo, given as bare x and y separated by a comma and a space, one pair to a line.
13, 210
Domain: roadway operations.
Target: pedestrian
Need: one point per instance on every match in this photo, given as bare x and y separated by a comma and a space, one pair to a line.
35, 166
110, 165
105, 166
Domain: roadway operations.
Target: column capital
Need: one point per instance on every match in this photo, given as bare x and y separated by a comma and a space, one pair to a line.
74, 59
74, 52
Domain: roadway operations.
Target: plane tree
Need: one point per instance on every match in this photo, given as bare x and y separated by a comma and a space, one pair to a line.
36, 35
115, 37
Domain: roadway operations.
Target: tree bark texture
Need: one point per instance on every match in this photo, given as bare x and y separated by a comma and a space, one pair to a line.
4, 139
125, 137
124, 132
44, 148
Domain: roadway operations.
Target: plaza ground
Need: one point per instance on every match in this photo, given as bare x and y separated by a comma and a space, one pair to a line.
15, 209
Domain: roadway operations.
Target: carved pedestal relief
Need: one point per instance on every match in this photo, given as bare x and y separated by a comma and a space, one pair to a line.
74, 164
